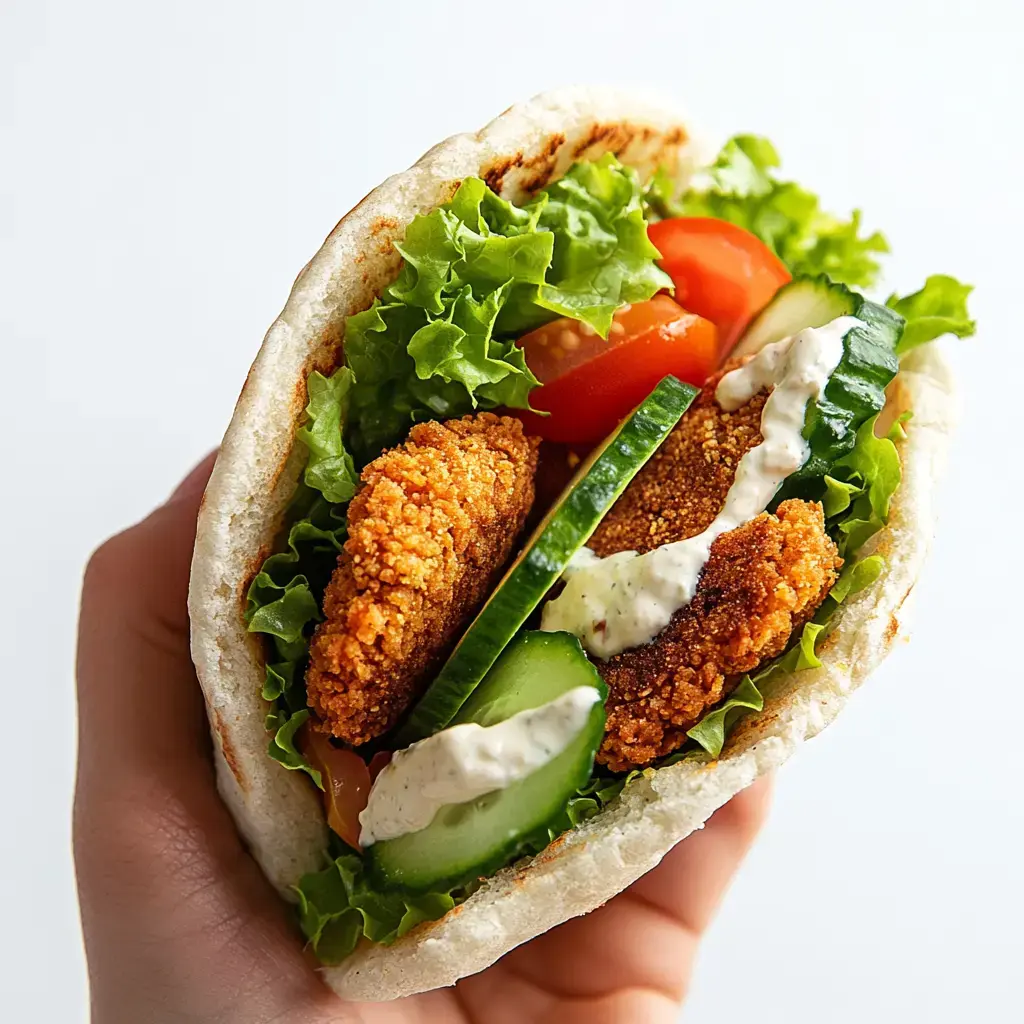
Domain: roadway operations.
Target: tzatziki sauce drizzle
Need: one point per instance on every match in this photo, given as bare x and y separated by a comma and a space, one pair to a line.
616, 603
466, 761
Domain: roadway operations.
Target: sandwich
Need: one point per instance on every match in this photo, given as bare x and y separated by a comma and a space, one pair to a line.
580, 480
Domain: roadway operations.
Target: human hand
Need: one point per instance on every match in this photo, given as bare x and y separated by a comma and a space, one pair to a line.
182, 928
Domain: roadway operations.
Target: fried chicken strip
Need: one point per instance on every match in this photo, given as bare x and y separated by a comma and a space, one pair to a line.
762, 582
428, 533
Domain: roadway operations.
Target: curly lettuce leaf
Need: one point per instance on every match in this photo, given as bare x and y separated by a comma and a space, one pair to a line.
742, 188
338, 906
659, 198
282, 749
479, 271
330, 469
710, 732
602, 256
939, 308
283, 602
860, 487
855, 577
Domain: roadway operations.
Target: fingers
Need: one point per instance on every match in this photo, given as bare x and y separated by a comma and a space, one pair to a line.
647, 936
174, 913
140, 709
688, 885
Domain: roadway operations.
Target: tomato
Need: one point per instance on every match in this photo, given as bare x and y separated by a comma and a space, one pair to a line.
721, 272
346, 780
378, 763
589, 383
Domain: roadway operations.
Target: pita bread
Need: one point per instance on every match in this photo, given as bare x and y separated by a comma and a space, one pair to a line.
278, 811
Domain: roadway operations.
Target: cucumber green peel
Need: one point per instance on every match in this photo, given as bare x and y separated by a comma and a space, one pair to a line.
471, 840
563, 532
854, 394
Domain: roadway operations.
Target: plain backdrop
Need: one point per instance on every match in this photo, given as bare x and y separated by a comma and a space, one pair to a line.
165, 170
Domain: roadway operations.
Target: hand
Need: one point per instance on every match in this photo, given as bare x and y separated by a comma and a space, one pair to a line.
180, 925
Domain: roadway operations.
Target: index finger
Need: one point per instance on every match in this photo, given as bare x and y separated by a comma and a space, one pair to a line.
139, 703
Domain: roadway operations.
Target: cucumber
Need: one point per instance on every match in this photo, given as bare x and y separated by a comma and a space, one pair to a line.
804, 302
564, 530
856, 390
472, 840
854, 393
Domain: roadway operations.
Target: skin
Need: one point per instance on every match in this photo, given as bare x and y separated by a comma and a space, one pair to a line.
181, 927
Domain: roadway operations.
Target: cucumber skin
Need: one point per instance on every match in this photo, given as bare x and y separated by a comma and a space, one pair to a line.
380, 857
814, 300
855, 392
856, 389
534, 574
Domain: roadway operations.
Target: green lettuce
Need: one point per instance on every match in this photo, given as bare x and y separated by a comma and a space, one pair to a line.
339, 905
329, 469
742, 188
479, 272
860, 487
710, 732
940, 307
283, 600
713, 729
283, 603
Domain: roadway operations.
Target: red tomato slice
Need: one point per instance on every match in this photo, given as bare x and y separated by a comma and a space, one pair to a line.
721, 272
378, 763
346, 780
590, 383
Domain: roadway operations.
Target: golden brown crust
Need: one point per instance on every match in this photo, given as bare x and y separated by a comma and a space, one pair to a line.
762, 581
429, 530
683, 487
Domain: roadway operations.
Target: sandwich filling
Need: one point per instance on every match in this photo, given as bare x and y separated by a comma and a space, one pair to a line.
679, 395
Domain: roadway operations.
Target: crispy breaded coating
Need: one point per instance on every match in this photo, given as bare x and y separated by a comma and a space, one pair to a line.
683, 486
763, 581
428, 533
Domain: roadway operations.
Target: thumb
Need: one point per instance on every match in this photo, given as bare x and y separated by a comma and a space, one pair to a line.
140, 709
174, 912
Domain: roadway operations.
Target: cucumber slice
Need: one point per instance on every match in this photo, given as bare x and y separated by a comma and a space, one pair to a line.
855, 392
856, 389
804, 302
564, 530
474, 839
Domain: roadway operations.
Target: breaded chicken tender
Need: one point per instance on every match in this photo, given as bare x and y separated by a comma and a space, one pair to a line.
428, 533
762, 582
683, 486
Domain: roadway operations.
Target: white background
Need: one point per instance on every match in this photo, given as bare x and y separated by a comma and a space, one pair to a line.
165, 170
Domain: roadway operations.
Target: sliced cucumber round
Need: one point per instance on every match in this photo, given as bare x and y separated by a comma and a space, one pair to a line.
472, 840
804, 302
565, 529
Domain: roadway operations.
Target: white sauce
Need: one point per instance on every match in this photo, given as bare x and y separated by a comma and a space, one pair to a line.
464, 762
616, 603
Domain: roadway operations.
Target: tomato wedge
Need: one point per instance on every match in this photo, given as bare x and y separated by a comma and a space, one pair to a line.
346, 780
721, 272
590, 383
